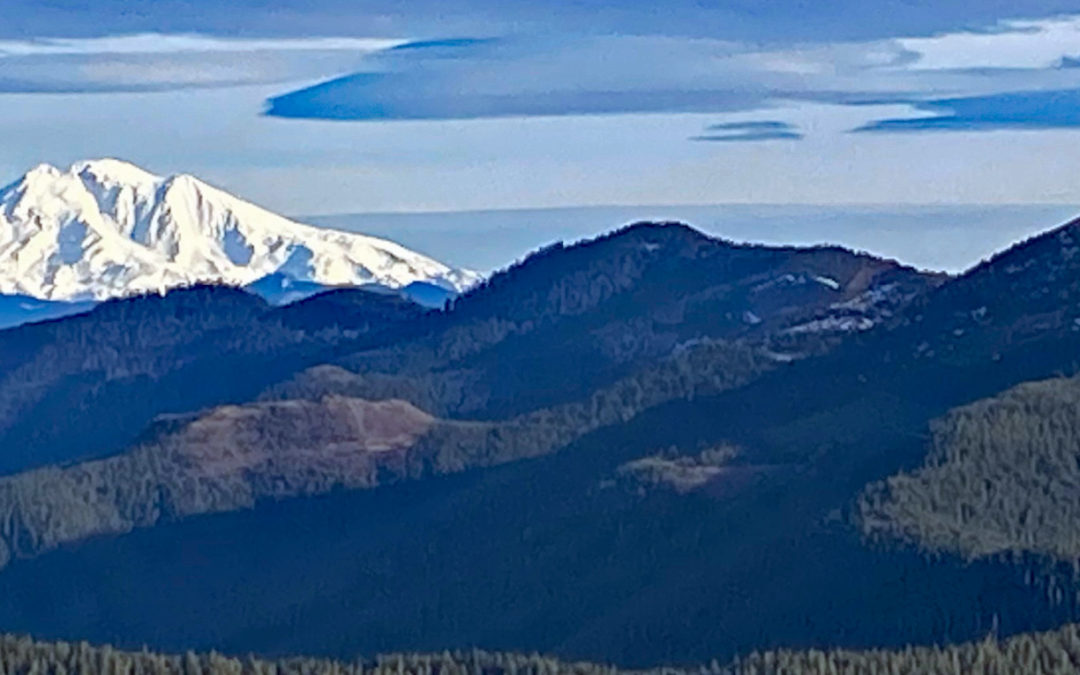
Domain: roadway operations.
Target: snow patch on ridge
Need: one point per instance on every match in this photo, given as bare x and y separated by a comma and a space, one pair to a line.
828, 281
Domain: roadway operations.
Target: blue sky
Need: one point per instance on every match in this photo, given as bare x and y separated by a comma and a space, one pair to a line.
334, 106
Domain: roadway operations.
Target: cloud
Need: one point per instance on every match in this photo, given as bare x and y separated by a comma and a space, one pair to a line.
447, 44
547, 75
755, 125
749, 131
666, 68
158, 43
1006, 44
575, 75
751, 136
525, 77
153, 62
1013, 110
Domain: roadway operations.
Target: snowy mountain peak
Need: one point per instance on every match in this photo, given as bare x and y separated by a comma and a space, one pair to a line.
42, 169
113, 171
107, 228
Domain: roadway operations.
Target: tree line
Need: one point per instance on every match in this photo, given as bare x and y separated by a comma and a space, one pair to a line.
1049, 653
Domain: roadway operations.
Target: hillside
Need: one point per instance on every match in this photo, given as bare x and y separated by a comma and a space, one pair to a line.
222, 461
232, 457
88, 385
679, 490
571, 319
1001, 478
600, 312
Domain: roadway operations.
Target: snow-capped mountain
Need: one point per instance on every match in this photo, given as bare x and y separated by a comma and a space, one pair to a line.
107, 228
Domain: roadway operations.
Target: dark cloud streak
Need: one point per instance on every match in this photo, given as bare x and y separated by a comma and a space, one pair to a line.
1014, 110
757, 125
751, 137
749, 131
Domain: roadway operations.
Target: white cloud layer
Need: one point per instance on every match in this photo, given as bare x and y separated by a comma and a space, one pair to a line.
590, 74
150, 62
1010, 44
543, 73
158, 43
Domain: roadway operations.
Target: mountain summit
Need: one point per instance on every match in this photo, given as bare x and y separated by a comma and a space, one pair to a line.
107, 228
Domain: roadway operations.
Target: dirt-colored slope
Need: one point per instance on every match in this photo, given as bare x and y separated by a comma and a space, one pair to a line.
336, 435
222, 460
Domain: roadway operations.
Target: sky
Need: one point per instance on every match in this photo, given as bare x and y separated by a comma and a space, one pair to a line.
324, 107
949, 238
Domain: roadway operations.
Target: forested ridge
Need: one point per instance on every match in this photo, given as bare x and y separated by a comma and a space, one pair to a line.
548, 331
1051, 653
87, 385
567, 321
651, 459
42, 509
228, 458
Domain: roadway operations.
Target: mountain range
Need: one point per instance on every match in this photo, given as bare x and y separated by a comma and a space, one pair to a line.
105, 228
652, 447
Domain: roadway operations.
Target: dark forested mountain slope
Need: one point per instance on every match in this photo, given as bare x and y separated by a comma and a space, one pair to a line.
88, 385
570, 319
724, 311
229, 457
1000, 479
675, 432
541, 554
574, 552
1025, 295
548, 331
349, 310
